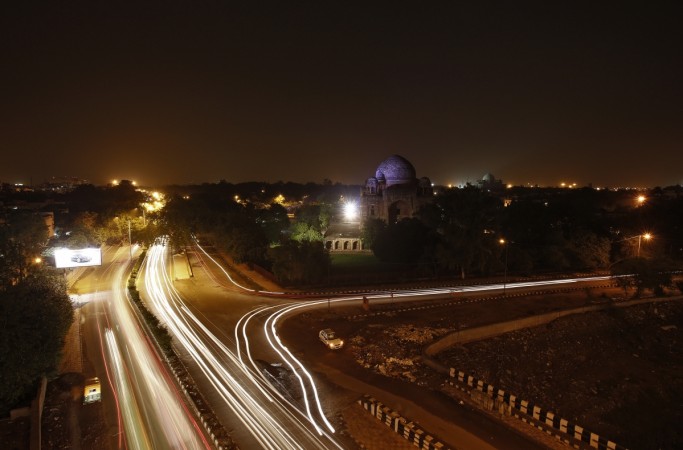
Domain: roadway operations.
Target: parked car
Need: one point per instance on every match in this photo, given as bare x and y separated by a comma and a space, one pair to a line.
330, 339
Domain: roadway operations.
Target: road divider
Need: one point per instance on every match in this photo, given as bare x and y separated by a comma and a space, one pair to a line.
411, 431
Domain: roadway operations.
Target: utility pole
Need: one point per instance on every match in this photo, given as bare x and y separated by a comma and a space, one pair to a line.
130, 241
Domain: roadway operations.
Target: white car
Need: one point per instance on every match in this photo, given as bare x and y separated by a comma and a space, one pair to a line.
330, 339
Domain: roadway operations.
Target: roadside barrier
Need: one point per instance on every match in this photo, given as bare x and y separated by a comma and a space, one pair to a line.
410, 431
465, 299
564, 430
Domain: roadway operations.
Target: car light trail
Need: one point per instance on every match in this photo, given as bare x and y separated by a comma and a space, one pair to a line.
273, 420
270, 419
150, 411
135, 433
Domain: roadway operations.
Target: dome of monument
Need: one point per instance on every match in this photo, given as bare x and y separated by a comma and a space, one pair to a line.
396, 170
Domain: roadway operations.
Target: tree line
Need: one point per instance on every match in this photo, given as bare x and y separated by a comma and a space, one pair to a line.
470, 232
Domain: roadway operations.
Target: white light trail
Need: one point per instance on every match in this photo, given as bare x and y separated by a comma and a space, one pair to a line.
150, 411
273, 423
273, 420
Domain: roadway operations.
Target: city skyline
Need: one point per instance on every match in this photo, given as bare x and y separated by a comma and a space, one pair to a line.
172, 94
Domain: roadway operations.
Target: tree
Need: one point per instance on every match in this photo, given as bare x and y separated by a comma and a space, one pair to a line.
372, 229
588, 251
179, 220
274, 222
642, 274
466, 221
299, 262
246, 243
303, 232
317, 219
405, 242
22, 239
35, 316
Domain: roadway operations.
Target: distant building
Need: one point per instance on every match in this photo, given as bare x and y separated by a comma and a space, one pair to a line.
489, 183
62, 184
394, 193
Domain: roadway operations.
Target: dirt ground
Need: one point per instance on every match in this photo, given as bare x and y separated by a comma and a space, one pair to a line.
616, 372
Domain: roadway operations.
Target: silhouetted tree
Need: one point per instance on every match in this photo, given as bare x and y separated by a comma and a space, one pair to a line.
642, 274
372, 228
35, 316
405, 242
586, 250
467, 221
299, 262
274, 222
22, 238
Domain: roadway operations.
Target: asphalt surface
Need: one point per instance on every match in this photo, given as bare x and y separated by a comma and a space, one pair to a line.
220, 305
202, 316
141, 404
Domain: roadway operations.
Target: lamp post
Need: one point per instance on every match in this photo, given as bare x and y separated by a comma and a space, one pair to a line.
640, 237
130, 241
646, 236
504, 243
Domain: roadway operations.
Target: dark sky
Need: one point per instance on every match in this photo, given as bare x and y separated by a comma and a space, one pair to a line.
180, 91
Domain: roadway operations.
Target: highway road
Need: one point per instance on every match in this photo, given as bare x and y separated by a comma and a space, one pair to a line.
142, 407
261, 416
227, 334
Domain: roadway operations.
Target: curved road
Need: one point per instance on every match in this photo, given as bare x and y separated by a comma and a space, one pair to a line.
226, 333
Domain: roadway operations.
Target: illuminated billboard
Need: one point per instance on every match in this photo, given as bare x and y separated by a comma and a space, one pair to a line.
66, 257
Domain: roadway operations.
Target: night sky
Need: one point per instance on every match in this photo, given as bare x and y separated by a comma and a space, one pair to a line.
181, 92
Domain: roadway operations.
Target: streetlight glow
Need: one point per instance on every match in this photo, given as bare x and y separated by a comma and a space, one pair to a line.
504, 243
350, 211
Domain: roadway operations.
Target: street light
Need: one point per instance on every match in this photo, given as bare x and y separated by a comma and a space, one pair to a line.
640, 237
640, 199
130, 241
646, 236
504, 243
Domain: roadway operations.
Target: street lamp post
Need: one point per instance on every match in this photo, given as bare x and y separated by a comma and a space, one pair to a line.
640, 237
505, 272
646, 236
130, 241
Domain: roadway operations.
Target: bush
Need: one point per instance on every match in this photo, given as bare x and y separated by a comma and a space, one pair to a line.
161, 334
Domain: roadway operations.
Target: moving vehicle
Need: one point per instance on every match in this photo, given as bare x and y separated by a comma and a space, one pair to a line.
330, 339
92, 391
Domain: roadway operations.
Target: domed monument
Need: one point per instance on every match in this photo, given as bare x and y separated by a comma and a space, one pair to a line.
394, 193
395, 170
